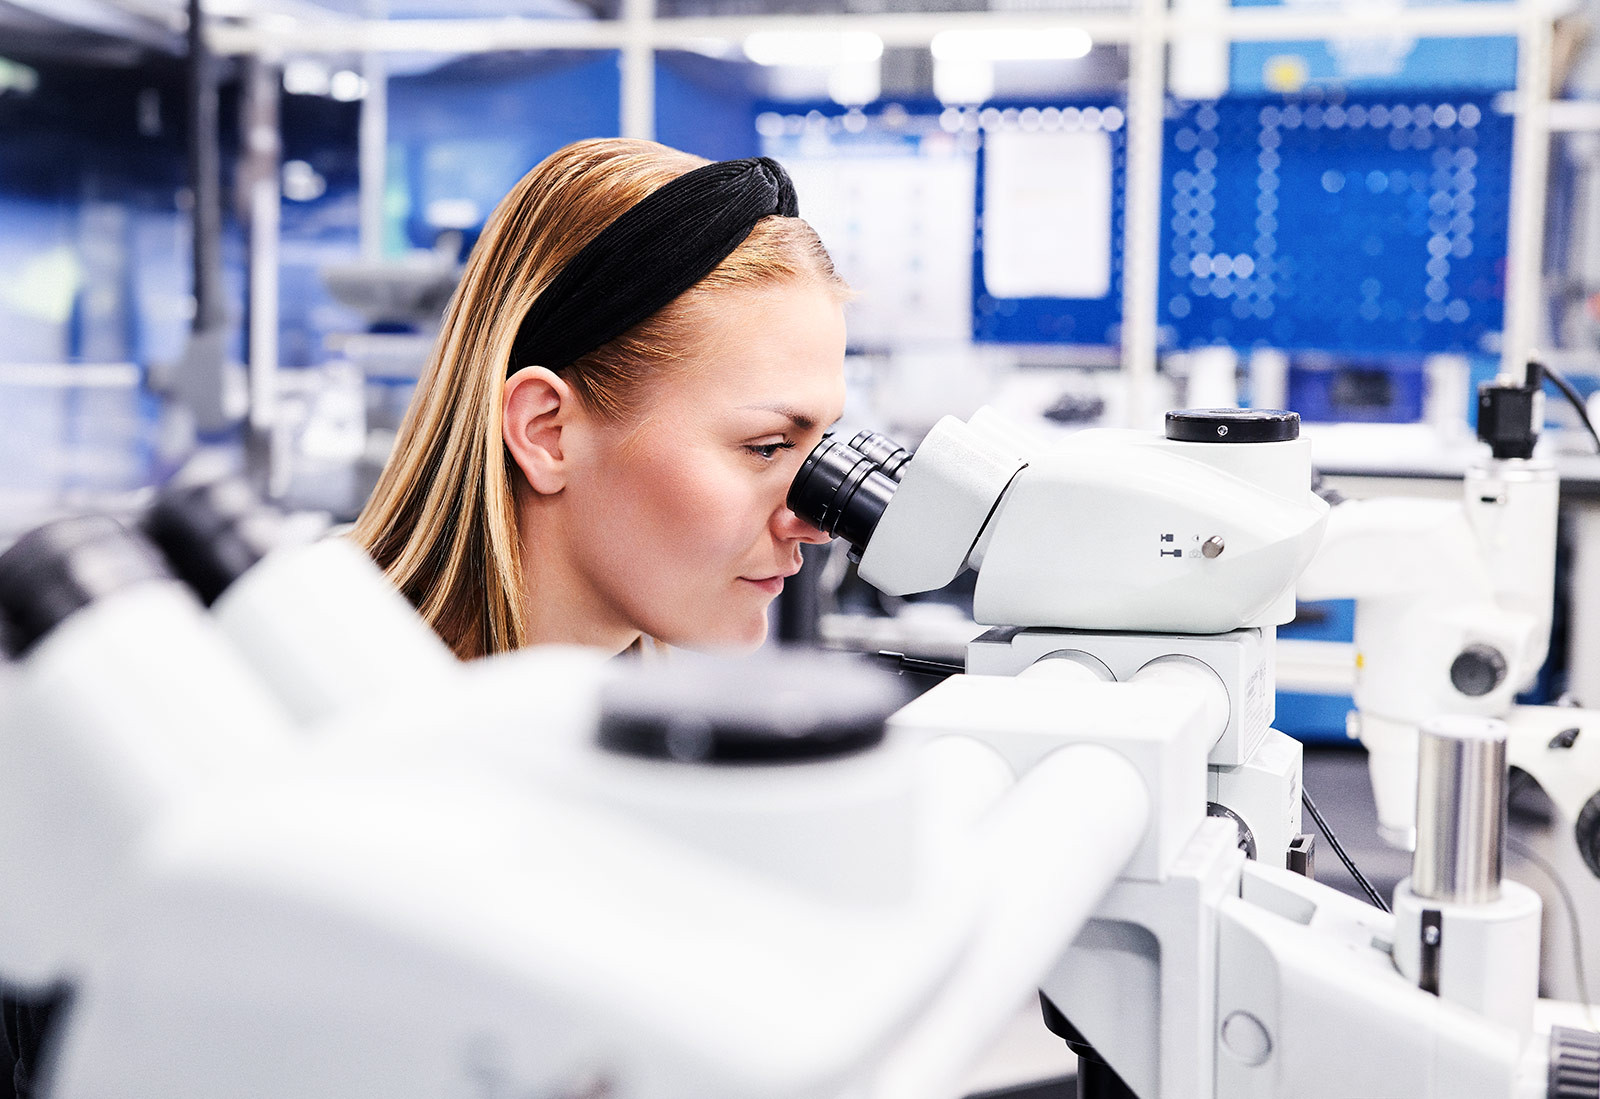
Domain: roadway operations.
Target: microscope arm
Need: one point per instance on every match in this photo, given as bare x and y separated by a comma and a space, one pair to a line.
1395, 547
1043, 885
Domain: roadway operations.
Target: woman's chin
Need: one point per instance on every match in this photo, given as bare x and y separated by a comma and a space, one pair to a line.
736, 638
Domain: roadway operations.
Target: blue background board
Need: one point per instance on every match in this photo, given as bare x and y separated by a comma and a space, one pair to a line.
1054, 320
1364, 223
469, 130
1391, 62
705, 106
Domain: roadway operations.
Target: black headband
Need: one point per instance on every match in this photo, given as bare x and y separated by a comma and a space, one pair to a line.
662, 245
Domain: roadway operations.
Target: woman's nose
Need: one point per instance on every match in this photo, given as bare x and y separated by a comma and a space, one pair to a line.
790, 527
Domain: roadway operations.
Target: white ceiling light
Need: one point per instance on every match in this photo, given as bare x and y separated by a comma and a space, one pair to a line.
856, 84
305, 76
998, 44
347, 86
815, 48
962, 81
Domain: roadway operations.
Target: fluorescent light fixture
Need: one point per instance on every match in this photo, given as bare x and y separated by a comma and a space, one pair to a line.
347, 86
963, 80
855, 84
719, 48
305, 76
813, 48
998, 44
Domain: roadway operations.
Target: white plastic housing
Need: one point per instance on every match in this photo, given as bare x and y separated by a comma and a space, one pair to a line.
1109, 530
1111, 538
126, 707
376, 932
328, 632
1488, 953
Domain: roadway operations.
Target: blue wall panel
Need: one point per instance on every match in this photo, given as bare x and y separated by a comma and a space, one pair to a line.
1370, 223
467, 132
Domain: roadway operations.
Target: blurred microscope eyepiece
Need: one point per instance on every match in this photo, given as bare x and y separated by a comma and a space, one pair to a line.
213, 532
842, 491
55, 570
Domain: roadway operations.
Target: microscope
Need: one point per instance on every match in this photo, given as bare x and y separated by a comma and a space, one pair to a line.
540, 875
1134, 584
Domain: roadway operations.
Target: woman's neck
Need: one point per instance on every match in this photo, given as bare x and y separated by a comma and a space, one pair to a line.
560, 607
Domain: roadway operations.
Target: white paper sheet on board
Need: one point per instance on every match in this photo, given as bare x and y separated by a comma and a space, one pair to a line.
1047, 215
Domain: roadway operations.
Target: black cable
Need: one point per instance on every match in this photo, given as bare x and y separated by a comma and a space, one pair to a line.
1571, 394
1338, 849
1571, 906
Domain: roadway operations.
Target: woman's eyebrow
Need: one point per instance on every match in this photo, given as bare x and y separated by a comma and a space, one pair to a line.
799, 419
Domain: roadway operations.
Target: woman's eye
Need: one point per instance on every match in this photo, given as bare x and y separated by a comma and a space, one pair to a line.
768, 451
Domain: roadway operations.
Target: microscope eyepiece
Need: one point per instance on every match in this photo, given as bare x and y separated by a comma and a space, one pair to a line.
841, 492
889, 456
58, 569
212, 532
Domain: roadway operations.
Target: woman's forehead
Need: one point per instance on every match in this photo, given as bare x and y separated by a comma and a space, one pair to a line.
776, 353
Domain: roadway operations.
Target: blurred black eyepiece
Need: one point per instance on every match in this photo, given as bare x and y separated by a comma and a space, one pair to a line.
55, 570
212, 532
841, 491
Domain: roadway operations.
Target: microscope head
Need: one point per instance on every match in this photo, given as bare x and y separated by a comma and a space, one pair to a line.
1203, 530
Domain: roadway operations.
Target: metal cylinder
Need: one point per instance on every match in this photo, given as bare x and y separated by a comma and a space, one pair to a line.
1461, 810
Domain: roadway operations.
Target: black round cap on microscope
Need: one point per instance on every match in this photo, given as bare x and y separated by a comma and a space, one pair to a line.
212, 532
784, 707
55, 570
1233, 425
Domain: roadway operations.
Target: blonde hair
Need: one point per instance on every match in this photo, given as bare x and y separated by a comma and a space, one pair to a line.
442, 520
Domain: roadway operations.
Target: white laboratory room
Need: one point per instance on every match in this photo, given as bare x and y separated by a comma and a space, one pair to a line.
800, 549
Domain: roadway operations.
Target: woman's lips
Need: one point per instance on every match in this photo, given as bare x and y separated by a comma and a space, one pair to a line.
772, 585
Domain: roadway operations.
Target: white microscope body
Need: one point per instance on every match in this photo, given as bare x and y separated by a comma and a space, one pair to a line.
464, 894
1202, 973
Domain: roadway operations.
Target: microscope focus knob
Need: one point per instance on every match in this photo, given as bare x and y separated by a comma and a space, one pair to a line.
1574, 1064
784, 708
1477, 670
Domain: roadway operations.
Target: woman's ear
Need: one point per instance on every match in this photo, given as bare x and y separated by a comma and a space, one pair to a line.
537, 411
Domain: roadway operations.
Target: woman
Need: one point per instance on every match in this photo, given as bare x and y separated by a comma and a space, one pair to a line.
643, 348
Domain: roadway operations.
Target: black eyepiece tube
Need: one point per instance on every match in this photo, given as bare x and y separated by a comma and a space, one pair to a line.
841, 492
212, 532
56, 570
889, 456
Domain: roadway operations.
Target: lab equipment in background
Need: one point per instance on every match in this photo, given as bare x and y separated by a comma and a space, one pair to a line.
402, 300
1453, 600
1201, 973
1325, 388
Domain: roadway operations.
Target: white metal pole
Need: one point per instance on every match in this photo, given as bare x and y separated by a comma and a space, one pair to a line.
261, 161
374, 152
1530, 159
638, 63
1141, 229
